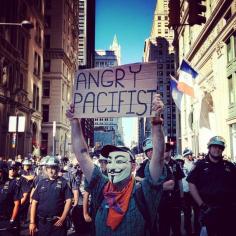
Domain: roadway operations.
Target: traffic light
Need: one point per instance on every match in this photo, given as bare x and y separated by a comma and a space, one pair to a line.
195, 10
174, 13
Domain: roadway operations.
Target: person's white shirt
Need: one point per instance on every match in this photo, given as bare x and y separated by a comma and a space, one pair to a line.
188, 165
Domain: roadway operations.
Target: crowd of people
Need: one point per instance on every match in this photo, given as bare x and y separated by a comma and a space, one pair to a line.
111, 194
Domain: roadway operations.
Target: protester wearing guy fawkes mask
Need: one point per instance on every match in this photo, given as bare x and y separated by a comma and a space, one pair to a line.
118, 213
118, 163
212, 184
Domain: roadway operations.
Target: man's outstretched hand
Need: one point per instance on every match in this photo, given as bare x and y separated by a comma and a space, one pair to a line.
157, 105
70, 112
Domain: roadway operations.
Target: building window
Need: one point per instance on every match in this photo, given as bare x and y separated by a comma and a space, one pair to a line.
38, 39
159, 17
231, 90
44, 144
22, 47
35, 97
234, 37
47, 40
46, 88
45, 111
47, 21
37, 64
21, 82
47, 65
63, 92
229, 50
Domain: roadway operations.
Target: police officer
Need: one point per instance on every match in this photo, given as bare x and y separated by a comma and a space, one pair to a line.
27, 176
24, 190
171, 200
9, 204
147, 149
51, 203
190, 204
212, 183
103, 164
41, 172
28, 172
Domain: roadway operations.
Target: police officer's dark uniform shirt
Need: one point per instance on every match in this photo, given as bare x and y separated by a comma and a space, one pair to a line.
70, 178
215, 182
140, 170
24, 185
51, 196
175, 173
37, 179
9, 192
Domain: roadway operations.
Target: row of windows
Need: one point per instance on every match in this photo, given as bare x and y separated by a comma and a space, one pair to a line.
104, 64
103, 119
45, 113
162, 17
65, 91
168, 66
161, 73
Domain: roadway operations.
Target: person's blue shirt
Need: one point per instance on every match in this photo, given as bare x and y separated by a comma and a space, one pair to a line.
133, 222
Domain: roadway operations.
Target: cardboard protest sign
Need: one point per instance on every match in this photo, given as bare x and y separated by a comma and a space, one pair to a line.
120, 91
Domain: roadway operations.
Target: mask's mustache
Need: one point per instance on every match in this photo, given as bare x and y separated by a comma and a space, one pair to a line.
112, 171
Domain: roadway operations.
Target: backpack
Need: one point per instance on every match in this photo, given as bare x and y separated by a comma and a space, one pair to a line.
140, 201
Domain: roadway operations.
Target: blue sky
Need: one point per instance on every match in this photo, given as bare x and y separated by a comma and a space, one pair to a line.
131, 21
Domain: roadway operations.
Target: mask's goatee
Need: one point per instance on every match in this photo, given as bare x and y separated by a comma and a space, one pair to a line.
112, 178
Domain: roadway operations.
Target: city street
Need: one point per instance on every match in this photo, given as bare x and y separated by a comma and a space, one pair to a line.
119, 111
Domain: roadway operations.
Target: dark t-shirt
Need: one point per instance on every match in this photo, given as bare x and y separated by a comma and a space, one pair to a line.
51, 196
174, 172
215, 182
9, 192
140, 171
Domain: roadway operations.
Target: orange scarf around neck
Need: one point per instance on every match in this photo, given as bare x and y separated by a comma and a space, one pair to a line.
118, 202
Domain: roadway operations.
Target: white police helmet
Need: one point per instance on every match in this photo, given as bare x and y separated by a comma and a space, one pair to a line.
43, 161
147, 144
52, 161
27, 161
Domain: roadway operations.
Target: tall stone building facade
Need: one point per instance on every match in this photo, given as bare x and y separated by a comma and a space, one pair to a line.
211, 50
86, 53
60, 64
108, 130
21, 64
158, 47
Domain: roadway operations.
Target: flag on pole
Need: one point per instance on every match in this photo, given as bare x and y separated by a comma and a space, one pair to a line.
186, 78
175, 92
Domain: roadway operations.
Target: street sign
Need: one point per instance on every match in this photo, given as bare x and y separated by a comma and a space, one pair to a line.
54, 129
120, 91
16, 124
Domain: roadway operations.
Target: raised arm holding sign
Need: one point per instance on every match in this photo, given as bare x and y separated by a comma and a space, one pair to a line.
118, 203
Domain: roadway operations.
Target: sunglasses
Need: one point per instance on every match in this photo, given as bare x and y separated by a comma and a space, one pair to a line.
103, 162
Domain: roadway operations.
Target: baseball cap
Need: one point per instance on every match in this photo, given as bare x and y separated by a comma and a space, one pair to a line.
107, 149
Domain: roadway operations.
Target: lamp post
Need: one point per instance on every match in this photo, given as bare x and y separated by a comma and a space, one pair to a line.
24, 24
54, 138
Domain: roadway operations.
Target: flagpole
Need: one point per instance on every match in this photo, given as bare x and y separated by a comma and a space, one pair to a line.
178, 115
